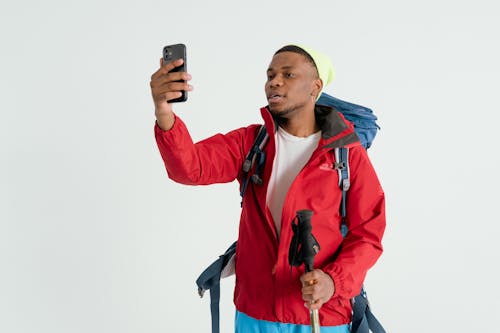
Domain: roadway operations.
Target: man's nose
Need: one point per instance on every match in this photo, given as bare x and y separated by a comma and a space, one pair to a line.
276, 81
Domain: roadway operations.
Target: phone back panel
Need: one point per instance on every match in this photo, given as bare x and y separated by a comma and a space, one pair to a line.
171, 53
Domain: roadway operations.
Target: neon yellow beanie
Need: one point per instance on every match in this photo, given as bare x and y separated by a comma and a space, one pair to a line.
323, 65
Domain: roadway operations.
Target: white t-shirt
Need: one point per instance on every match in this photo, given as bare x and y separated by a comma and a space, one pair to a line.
292, 153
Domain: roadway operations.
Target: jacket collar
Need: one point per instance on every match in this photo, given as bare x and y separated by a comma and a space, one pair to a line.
336, 131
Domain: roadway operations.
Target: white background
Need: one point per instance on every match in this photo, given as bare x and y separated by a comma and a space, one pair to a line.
95, 238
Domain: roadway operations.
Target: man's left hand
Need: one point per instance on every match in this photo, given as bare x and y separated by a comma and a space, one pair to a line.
317, 289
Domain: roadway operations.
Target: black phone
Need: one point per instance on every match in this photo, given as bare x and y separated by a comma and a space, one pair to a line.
171, 53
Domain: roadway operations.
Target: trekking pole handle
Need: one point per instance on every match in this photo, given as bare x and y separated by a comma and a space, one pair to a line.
309, 249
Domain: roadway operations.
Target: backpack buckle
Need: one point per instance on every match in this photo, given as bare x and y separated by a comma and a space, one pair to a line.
339, 166
256, 179
345, 185
247, 165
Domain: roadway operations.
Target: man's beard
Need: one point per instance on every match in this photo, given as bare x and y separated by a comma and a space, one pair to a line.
285, 114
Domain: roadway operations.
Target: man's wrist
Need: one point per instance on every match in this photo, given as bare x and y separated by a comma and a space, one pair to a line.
166, 122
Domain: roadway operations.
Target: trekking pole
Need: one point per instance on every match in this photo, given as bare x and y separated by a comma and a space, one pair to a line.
309, 246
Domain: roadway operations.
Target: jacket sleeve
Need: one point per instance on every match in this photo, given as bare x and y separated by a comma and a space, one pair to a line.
366, 224
217, 159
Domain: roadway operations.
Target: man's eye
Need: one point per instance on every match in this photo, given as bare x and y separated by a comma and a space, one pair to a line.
290, 75
270, 77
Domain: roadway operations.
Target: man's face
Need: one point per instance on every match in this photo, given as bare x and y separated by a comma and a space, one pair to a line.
292, 84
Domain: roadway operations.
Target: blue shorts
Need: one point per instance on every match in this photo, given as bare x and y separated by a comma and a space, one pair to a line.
246, 324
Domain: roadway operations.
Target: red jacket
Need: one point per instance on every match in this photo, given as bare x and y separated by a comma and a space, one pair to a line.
266, 288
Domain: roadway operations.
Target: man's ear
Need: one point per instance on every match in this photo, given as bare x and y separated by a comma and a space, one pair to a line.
317, 87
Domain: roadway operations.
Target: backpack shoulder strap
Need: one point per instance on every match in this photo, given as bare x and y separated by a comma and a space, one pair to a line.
210, 280
342, 167
363, 320
256, 154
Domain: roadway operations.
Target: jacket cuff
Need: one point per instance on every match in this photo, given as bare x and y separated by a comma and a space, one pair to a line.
171, 134
157, 127
177, 136
342, 282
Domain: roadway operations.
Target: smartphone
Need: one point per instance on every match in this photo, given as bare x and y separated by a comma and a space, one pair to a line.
171, 53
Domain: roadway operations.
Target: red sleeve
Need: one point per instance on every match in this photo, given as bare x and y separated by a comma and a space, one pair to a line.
366, 224
217, 159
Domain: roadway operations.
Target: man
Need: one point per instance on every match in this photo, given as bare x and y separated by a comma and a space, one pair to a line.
298, 174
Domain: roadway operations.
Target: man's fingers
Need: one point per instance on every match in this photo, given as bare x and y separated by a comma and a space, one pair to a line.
166, 68
310, 288
170, 95
172, 87
316, 305
170, 77
310, 277
316, 288
159, 76
158, 73
310, 293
